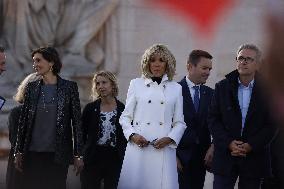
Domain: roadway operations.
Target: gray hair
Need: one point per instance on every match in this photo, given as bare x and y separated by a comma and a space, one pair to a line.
251, 47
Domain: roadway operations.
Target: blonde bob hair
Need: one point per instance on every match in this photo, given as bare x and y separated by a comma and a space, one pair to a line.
108, 75
19, 96
165, 54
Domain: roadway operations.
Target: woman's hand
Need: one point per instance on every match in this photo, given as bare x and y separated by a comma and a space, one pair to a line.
18, 161
139, 140
78, 165
162, 142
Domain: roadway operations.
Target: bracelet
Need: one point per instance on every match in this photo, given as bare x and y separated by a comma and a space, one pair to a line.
78, 157
18, 153
132, 134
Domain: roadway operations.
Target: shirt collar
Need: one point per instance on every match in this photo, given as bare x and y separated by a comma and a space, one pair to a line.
250, 85
149, 80
190, 83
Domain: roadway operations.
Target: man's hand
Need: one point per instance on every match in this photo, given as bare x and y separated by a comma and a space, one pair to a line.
78, 165
162, 142
209, 156
179, 165
236, 148
246, 147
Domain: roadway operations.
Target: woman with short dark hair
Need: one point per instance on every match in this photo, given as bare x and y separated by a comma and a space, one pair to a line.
49, 122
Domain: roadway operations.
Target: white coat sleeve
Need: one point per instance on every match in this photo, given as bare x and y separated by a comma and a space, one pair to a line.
127, 115
178, 125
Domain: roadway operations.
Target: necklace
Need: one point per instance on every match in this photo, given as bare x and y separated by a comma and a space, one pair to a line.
44, 100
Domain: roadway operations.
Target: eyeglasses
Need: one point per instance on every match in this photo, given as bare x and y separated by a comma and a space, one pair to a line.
244, 59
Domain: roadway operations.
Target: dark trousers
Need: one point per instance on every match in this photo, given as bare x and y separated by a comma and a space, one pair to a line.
228, 182
106, 168
40, 171
193, 175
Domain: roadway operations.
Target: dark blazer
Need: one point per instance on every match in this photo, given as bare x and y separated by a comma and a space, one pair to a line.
197, 132
68, 120
90, 122
14, 179
225, 123
13, 123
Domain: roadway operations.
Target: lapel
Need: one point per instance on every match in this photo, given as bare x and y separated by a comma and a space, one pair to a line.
234, 86
187, 100
203, 100
61, 95
35, 93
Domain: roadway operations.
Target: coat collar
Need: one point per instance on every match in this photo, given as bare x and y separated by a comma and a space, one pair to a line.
149, 80
97, 105
233, 79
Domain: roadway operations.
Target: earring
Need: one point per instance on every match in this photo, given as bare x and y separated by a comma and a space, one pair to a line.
50, 68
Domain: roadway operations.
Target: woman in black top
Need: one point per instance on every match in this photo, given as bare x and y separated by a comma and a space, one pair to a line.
102, 134
50, 133
14, 179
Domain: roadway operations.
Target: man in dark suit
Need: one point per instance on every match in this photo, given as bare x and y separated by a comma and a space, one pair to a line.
240, 124
194, 151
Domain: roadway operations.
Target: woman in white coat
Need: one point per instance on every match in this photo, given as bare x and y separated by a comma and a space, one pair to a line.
153, 124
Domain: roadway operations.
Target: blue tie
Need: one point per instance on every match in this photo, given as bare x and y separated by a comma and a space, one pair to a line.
196, 98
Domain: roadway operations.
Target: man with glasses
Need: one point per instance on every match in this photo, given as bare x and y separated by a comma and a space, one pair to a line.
240, 124
2, 69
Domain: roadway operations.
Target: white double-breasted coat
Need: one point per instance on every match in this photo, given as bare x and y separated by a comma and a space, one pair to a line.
153, 111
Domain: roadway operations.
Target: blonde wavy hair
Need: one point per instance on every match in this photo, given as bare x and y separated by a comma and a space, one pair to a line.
164, 53
108, 75
19, 96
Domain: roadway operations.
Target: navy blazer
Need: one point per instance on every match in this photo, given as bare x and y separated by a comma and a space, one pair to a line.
225, 124
90, 122
197, 132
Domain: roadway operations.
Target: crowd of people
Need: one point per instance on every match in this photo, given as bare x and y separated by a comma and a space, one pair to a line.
166, 136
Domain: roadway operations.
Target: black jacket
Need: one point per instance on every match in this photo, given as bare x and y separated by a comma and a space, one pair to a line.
225, 123
14, 179
68, 124
197, 132
13, 123
90, 122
